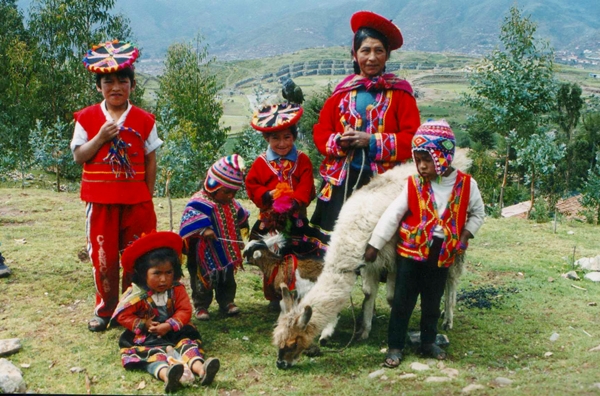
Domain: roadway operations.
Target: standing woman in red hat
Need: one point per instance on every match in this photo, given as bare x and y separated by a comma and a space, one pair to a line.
367, 125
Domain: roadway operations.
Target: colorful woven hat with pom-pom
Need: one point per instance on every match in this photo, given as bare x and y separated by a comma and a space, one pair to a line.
368, 19
226, 172
277, 117
436, 138
148, 242
110, 57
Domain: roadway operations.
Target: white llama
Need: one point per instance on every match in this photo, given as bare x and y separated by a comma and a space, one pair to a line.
300, 322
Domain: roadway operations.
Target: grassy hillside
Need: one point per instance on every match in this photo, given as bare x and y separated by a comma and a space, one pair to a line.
514, 266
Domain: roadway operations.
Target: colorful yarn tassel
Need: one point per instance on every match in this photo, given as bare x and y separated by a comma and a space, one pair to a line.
117, 155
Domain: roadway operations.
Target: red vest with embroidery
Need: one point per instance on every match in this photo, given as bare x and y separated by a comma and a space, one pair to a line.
416, 230
100, 181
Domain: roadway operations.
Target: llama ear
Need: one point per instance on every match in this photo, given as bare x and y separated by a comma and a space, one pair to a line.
305, 318
288, 301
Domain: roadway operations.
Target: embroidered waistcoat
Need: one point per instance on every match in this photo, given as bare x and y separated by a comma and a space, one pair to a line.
416, 229
101, 181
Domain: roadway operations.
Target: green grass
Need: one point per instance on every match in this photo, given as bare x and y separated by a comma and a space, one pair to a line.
49, 297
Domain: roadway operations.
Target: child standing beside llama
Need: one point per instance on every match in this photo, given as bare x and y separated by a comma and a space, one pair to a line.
436, 214
156, 311
280, 183
211, 227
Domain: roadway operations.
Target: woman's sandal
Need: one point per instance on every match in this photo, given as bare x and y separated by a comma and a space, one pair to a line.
211, 368
97, 323
433, 351
173, 376
392, 359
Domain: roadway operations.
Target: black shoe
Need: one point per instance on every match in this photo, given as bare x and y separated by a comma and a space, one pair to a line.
4, 270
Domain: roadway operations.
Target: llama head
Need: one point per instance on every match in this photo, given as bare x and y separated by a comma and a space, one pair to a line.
294, 333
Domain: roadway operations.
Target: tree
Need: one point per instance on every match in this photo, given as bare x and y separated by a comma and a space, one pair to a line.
590, 196
189, 111
512, 87
63, 31
18, 89
538, 154
51, 149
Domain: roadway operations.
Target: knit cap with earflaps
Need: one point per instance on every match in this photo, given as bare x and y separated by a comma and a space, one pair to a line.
226, 172
436, 138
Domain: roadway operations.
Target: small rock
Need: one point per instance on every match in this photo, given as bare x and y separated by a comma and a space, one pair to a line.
450, 372
376, 374
520, 275
141, 385
407, 376
550, 279
554, 337
570, 232
571, 275
383, 350
245, 338
11, 378
592, 304
437, 379
21, 241
593, 276
589, 263
502, 381
9, 345
596, 385
419, 366
76, 369
548, 354
384, 377
25, 365
594, 349
472, 388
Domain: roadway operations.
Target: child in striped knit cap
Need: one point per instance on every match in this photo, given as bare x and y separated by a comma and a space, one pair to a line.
211, 227
437, 212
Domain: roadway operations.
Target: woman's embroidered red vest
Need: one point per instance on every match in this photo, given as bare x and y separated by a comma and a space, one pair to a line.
416, 230
100, 183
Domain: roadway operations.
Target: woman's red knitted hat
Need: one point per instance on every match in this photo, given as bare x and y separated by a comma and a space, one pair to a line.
383, 25
148, 242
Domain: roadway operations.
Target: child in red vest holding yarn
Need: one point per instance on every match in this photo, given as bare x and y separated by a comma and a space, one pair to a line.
280, 183
436, 214
116, 142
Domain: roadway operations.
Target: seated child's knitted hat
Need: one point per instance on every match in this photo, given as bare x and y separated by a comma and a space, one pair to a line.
226, 172
110, 57
277, 117
436, 138
148, 242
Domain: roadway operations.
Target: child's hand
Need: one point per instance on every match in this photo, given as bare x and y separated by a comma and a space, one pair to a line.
108, 131
371, 254
159, 329
209, 235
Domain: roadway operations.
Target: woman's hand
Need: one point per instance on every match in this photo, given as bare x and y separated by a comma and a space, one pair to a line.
353, 138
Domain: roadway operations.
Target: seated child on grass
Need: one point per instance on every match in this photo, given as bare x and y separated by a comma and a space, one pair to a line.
156, 311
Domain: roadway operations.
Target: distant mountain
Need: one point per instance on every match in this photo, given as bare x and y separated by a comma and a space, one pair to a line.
242, 29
